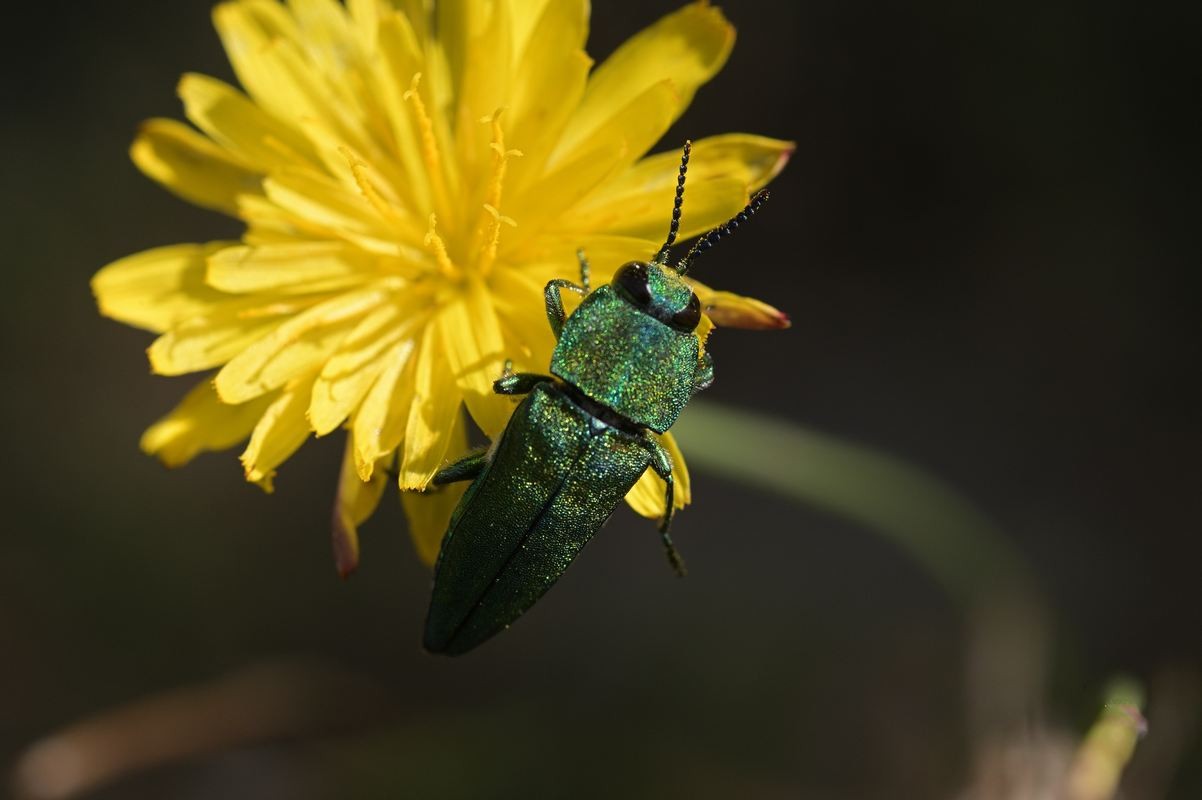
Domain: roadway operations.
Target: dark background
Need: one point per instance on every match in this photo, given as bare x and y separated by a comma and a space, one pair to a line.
987, 240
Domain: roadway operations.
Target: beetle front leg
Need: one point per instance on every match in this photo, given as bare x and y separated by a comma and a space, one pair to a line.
584, 270
512, 382
554, 298
661, 462
519, 382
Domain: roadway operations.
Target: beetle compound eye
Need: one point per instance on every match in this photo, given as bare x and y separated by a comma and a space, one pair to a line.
686, 319
631, 282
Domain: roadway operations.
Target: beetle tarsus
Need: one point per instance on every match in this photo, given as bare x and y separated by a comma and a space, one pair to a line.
584, 271
674, 557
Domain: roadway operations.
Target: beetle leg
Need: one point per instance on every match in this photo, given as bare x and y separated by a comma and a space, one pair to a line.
703, 378
465, 469
584, 270
554, 297
519, 382
661, 462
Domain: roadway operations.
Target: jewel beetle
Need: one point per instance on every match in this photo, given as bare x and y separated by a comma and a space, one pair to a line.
626, 362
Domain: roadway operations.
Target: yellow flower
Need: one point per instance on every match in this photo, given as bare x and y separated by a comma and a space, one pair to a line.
409, 180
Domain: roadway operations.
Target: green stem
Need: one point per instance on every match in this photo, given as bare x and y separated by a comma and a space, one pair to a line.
952, 540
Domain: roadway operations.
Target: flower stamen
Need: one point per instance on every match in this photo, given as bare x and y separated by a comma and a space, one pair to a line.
492, 195
359, 172
438, 247
489, 256
430, 153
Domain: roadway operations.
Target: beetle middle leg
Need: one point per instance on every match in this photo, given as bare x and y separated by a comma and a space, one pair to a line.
467, 468
703, 378
661, 462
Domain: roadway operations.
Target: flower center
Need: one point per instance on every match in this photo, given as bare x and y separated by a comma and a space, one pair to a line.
467, 242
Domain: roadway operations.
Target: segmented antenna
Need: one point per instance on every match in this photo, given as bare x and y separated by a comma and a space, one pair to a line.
662, 256
721, 232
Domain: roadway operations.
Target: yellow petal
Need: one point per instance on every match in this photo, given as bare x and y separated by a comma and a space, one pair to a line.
703, 330
472, 343
366, 15
647, 496
247, 30
454, 19
429, 512
213, 338
629, 131
280, 432
201, 423
755, 160
706, 205
528, 15
329, 210
299, 344
354, 503
687, 47
554, 256
191, 166
158, 288
736, 311
299, 266
550, 75
400, 58
417, 12
723, 171
298, 66
519, 302
362, 356
241, 127
483, 84
379, 424
325, 31
436, 401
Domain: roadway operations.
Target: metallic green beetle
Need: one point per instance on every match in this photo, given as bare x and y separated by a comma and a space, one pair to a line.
626, 362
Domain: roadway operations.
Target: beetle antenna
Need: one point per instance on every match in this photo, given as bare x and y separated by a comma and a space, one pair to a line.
662, 256
721, 232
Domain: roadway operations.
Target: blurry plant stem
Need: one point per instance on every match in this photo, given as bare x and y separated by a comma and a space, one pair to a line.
1109, 745
952, 541
949, 538
264, 702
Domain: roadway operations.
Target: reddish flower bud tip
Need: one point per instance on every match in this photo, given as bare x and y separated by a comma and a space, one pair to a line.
345, 543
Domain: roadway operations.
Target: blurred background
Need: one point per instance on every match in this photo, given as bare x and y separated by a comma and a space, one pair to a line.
987, 241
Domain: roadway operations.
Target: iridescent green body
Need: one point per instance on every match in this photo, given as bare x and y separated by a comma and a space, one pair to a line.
626, 363
571, 451
556, 475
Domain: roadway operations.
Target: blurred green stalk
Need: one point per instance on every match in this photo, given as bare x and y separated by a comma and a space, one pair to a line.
1108, 747
953, 541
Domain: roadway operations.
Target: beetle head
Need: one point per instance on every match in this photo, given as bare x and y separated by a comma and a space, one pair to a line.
659, 292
